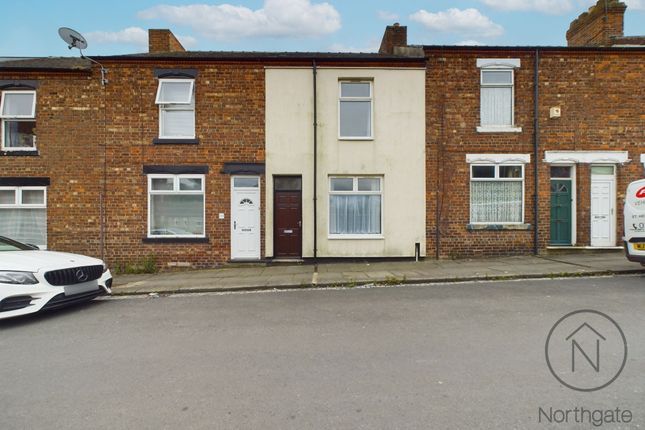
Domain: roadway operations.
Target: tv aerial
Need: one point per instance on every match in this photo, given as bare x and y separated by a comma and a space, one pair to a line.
74, 39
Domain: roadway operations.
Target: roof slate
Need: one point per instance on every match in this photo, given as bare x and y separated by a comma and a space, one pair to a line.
47, 63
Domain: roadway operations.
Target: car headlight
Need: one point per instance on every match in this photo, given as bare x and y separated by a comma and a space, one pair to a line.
19, 278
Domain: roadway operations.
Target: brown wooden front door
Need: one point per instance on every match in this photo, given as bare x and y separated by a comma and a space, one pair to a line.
287, 217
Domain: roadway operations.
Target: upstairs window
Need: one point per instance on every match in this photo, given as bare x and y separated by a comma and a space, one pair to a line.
497, 94
355, 110
176, 100
497, 98
18, 113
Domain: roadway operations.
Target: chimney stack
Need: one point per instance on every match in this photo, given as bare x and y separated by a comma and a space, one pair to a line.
162, 40
394, 36
599, 26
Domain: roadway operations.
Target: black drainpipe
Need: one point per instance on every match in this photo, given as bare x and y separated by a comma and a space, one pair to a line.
315, 72
439, 199
536, 147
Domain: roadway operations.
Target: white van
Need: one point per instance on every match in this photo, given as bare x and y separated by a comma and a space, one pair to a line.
635, 222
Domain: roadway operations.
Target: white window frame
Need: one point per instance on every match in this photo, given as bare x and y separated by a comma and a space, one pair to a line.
178, 106
355, 192
502, 64
185, 102
356, 99
17, 204
497, 178
176, 191
17, 118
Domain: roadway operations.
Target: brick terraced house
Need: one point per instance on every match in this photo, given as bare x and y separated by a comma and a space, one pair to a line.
50, 153
200, 158
168, 158
530, 149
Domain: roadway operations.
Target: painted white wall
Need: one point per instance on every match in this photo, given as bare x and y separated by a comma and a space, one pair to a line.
397, 152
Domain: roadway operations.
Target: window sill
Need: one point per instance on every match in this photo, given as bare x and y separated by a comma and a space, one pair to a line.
498, 227
20, 153
356, 237
489, 129
175, 240
356, 138
175, 141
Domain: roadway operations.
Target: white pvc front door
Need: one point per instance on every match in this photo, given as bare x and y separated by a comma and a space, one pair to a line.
245, 217
603, 199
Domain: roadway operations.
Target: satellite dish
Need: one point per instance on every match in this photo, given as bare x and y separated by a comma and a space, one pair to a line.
73, 38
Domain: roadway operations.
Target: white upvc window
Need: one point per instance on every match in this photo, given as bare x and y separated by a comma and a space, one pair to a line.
496, 193
18, 114
355, 110
176, 100
497, 95
355, 207
176, 206
23, 214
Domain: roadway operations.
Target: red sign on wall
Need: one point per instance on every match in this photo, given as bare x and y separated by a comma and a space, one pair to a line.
641, 193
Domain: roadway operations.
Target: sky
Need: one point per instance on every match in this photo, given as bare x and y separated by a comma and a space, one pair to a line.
29, 27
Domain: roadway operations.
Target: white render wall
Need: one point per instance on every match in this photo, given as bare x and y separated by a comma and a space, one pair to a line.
397, 153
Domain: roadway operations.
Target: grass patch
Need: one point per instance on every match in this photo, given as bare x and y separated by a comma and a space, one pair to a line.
393, 280
147, 264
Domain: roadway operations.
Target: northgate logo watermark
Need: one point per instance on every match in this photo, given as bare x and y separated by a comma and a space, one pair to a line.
585, 350
581, 415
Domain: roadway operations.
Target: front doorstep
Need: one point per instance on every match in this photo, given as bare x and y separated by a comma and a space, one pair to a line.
247, 260
586, 248
284, 260
590, 250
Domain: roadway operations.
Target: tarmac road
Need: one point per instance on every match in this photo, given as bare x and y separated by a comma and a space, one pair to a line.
469, 355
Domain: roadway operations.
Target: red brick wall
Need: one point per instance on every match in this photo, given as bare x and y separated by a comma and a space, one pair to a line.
602, 109
67, 115
452, 98
230, 127
600, 94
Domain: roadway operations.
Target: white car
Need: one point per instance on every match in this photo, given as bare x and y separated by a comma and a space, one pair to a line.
32, 280
635, 222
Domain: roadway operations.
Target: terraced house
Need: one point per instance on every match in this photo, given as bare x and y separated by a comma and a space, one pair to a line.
200, 158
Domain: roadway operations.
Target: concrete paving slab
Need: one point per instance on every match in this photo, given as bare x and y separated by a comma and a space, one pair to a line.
352, 273
298, 269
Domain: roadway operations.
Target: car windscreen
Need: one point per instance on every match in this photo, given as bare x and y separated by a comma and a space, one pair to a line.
7, 244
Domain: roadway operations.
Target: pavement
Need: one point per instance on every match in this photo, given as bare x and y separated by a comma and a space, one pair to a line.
438, 356
268, 277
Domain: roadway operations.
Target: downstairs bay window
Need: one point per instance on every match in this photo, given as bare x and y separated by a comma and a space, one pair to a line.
496, 193
176, 206
355, 207
23, 214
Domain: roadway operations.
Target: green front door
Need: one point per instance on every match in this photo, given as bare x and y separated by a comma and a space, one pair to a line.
561, 211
